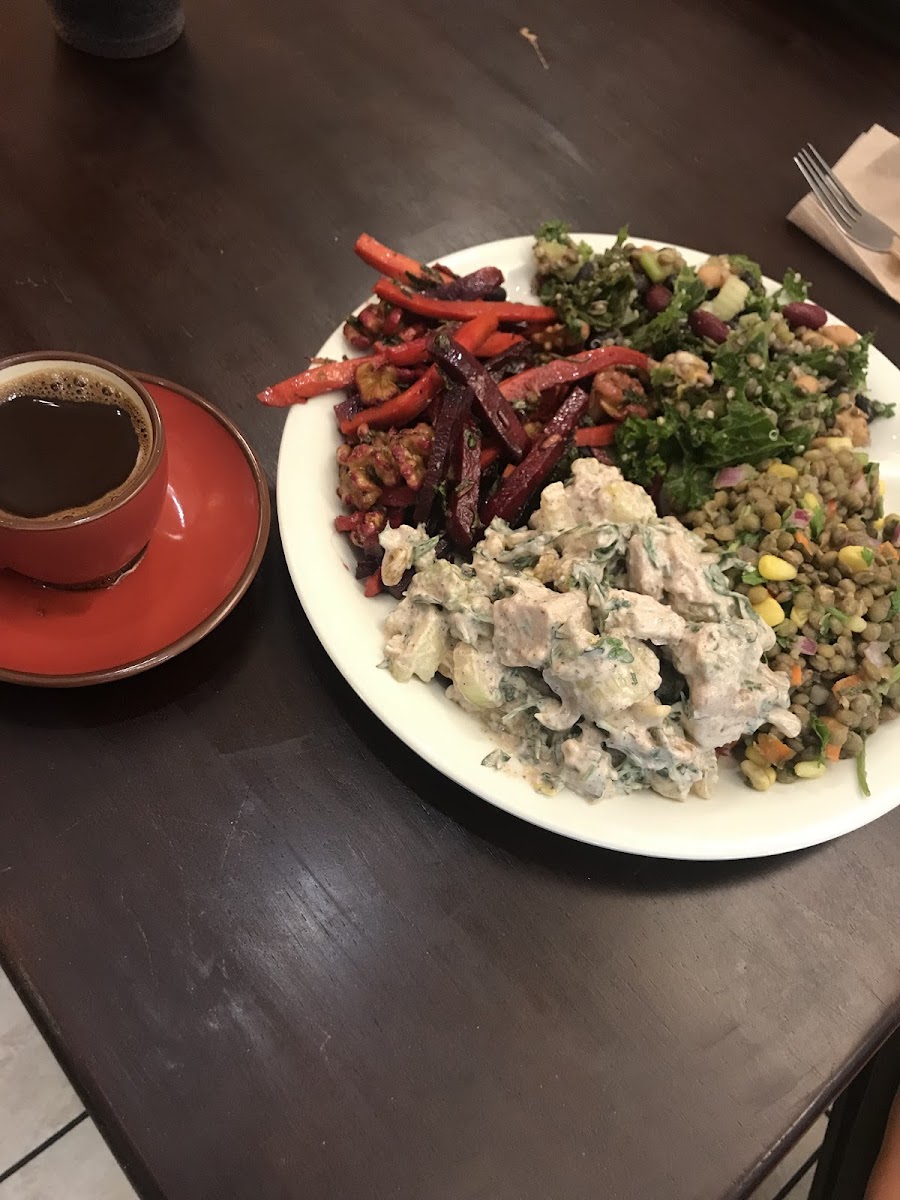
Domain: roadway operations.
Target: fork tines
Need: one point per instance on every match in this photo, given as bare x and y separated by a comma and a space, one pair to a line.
827, 188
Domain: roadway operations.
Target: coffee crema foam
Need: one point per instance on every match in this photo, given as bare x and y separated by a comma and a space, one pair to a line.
79, 385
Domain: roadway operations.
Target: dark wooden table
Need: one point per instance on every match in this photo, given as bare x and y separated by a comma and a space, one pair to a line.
279, 956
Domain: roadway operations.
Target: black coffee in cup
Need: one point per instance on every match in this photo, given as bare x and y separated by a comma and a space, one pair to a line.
69, 442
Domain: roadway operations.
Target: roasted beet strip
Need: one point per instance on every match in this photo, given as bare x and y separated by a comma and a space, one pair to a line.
462, 510
463, 367
476, 286
517, 488
455, 406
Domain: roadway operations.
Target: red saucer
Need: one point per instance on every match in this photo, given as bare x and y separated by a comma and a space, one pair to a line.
204, 553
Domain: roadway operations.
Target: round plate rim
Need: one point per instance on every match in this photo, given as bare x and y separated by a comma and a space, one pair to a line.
760, 846
222, 610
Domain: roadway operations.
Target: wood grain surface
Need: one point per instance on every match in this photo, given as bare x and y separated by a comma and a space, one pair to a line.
280, 957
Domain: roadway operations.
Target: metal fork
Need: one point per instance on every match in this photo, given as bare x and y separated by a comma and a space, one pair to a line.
860, 226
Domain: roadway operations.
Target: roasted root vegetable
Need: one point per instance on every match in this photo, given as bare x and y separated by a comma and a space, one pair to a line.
476, 286
462, 507
395, 266
413, 402
329, 376
455, 406
517, 489
462, 366
597, 435
569, 370
462, 310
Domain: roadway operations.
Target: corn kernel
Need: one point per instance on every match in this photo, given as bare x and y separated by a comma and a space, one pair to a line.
783, 470
770, 566
879, 525
855, 558
856, 624
799, 616
769, 611
882, 487
811, 501
809, 770
836, 443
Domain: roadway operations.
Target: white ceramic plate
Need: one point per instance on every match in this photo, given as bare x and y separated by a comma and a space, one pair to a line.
736, 823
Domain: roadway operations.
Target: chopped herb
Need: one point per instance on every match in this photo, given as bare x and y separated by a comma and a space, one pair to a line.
752, 578
861, 771
616, 649
868, 555
820, 729
496, 759
817, 523
895, 602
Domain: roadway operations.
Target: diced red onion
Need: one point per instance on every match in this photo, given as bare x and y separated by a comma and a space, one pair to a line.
805, 645
876, 653
800, 517
729, 476
859, 485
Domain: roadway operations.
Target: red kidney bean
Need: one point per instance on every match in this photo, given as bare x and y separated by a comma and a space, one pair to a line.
707, 325
810, 316
658, 298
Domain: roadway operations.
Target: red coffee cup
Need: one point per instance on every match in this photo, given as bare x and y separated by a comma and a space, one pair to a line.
82, 549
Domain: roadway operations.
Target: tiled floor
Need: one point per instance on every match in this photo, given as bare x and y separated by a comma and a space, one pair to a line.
37, 1103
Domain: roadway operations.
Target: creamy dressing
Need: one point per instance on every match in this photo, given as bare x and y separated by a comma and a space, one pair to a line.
555, 637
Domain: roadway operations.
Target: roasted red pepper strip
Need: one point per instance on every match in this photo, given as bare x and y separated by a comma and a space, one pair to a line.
396, 266
409, 404
516, 489
462, 366
462, 511
599, 435
568, 370
462, 310
329, 376
455, 406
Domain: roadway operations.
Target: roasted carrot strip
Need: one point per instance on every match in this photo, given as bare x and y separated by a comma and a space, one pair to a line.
462, 310
330, 376
597, 435
395, 266
568, 370
499, 343
411, 403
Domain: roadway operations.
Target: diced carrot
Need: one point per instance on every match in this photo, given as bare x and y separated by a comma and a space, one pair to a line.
508, 469
845, 684
796, 675
773, 749
596, 435
831, 508
889, 550
832, 752
804, 541
489, 455
834, 727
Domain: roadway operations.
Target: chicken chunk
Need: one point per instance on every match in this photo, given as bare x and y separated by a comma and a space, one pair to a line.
629, 614
731, 691
526, 623
594, 493
667, 562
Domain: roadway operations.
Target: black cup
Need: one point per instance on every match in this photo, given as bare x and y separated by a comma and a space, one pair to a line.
118, 28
